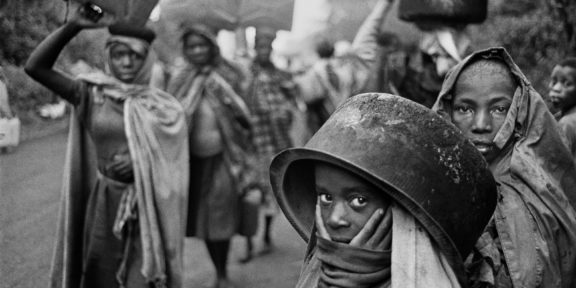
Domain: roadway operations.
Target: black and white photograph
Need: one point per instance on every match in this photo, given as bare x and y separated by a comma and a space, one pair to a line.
287, 143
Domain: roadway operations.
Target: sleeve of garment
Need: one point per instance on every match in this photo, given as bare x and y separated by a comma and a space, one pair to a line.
365, 45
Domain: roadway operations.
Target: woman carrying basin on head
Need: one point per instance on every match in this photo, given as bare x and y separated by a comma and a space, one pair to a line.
126, 176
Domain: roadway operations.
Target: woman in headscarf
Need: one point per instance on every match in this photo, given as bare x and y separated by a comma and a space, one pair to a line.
531, 240
126, 173
387, 194
218, 122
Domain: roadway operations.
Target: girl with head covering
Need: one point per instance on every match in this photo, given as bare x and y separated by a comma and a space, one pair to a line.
531, 239
126, 174
387, 194
218, 123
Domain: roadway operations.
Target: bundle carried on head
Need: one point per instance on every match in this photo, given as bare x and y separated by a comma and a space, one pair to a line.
447, 12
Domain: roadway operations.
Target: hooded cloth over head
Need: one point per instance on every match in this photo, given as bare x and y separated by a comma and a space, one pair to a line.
534, 218
412, 157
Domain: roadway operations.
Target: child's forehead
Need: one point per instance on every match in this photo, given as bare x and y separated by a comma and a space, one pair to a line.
565, 70
485, 73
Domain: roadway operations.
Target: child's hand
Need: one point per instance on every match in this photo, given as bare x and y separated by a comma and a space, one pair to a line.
376, 234
322, 232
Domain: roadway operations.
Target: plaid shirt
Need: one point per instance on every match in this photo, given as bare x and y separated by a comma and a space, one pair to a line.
268, 99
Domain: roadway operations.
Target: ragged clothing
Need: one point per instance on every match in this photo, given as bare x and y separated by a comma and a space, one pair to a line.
211, 92
534, 220
154, 127
142, 221
413, 262
270, 98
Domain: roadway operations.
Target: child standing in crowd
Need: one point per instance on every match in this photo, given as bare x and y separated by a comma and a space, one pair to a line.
563, 96
370, 191
531, 240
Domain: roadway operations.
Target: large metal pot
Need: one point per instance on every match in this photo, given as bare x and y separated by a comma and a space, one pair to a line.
424, 162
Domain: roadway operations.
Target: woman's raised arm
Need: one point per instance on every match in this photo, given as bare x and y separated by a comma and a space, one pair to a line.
40, 64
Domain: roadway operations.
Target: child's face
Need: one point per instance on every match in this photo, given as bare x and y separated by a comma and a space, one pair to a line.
479, 109
346, 201
563, 87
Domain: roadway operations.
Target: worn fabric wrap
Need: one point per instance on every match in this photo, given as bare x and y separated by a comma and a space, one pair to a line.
157, 136
218, 84
414, 261
534, 218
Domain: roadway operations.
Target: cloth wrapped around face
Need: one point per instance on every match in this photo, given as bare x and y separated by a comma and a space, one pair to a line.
441, 190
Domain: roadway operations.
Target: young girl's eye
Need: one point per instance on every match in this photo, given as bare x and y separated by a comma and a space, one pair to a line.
325, 198
463, 109
358, 202
501, 109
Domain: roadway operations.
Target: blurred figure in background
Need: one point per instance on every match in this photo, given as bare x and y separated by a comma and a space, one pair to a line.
332, 80
219, 126
563, 97
439, 50
270, 98
391, 64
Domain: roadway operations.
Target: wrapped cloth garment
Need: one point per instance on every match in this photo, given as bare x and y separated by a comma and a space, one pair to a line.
217, 84
534, 219
142, 222
414, 261
270, 99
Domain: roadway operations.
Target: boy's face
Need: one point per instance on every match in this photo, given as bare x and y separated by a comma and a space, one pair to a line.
346, 201
563, 88
480, 106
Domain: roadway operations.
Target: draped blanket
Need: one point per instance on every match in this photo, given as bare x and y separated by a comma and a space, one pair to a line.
157, 138
535, 220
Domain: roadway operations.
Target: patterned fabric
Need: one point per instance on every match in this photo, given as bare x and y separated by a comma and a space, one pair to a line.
269, 101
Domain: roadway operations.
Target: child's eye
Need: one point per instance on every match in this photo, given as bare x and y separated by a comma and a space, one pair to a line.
325, 198
500, 109
358, 202
463, 109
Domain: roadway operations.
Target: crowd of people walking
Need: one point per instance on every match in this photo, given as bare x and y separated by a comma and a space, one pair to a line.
440, 167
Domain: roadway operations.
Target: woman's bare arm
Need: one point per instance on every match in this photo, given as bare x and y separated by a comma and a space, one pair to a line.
40, 65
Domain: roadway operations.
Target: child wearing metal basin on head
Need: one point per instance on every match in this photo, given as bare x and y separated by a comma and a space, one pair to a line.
387, 194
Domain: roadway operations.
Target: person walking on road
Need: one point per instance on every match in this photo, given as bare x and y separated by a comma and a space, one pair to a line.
125, 187
219, 127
